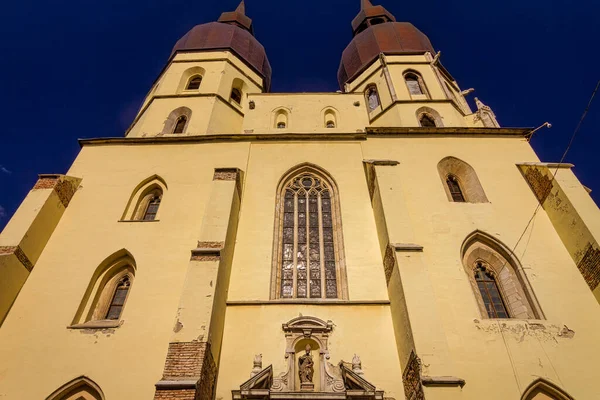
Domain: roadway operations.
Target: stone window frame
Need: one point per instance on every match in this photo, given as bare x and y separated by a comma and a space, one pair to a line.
341, 275
467, 178
173, 117
141, 196
237, 85
433, 114
281, 115
187, 76
424, 91
513, 284
329, 117
78, 386
94, 306
372, 87
543, 386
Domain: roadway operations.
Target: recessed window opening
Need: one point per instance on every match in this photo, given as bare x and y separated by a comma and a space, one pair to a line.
414, 86
118, 299
377, 21
281, 125
427, 121
455, 190
152, 208
236, 95
492, 299
194, 83
372, 97
180, 124
330, 124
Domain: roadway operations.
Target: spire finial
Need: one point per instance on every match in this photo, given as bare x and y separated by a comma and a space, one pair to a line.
241, 8
364, 4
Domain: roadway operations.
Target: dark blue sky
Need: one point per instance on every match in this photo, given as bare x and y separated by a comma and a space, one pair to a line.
80, 68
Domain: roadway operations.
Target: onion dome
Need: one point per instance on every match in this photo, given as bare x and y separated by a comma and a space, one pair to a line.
233, 31
376, 31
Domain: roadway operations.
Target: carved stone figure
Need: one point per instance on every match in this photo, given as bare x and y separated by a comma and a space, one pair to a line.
257, 365
306, 368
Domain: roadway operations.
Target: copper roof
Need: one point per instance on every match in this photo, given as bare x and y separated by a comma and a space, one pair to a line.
223, 36
388, 38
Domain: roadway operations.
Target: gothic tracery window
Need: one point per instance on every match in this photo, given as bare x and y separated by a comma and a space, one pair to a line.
307, 265
152, 207
492, 299
118, 300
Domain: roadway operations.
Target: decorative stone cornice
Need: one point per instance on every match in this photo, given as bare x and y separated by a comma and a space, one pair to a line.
207, 251
407, 247
442, 381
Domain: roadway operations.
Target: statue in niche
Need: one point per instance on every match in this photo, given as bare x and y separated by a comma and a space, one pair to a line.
306, 365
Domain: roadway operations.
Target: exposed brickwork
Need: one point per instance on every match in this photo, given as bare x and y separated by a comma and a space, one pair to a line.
388, 263
411, 379
225, 174
189, 361
46, 183
589, 266
19, 253
211, 245
183, 394
539, 183
65, 191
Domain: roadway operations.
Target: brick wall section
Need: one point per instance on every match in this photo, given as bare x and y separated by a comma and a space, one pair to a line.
46, 183
19, 253
189, 361
65, 189
184, 394
539, 183
589, 266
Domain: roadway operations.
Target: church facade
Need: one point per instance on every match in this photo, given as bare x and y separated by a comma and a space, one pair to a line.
366, 244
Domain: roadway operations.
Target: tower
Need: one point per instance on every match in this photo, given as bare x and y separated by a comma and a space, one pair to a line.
241, 244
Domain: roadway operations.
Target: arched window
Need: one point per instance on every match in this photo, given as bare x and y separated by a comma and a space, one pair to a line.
107, 292
177, 122
372, 97
308, 258
329, 118
454, 188
236, 95
497, 279
281, 118
460, 181
118, 298
427, 121
541, 389
415, 84
81, 388
488, 288
144, 203
180, 124
412, 82
194, 83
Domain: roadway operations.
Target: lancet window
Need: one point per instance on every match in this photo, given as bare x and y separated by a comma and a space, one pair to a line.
309, 260
455, 190
492, 299
180, 124
152, 207
118, 299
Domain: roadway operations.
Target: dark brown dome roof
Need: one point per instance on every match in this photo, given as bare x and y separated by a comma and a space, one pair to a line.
388, 38
228, 36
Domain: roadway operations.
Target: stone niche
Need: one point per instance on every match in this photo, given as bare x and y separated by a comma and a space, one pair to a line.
308, 337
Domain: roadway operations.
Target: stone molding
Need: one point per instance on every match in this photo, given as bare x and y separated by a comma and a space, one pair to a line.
442, 381
19, 254
98, 324
389, 163
411, 379
407, 247
226, 174
207, 251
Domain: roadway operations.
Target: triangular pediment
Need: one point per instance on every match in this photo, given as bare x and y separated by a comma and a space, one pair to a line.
262, 380
353, 381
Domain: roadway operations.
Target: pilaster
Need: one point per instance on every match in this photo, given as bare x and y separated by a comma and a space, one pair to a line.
192, 359
28, 231
422, 347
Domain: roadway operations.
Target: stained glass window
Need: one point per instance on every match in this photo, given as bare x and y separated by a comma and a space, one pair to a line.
308, 251
152, 208
118, 299
455, 190
494, 304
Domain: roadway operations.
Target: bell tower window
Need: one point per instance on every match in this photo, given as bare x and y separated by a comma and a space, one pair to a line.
194, 83
427, 121
180, 124
372, 97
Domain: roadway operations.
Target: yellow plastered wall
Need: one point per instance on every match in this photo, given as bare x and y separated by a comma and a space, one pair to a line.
306, 112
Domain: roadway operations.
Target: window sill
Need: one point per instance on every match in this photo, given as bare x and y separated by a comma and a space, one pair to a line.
138, 220
100, 324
